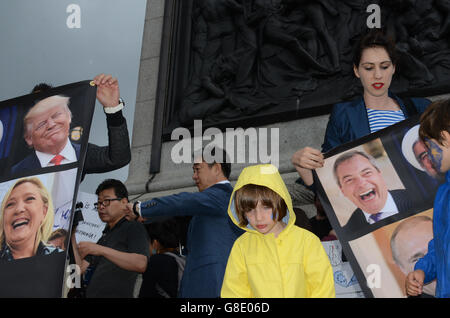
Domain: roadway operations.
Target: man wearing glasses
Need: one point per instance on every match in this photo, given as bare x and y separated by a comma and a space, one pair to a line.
112, 265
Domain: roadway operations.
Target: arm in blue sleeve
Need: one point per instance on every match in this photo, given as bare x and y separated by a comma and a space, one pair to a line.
185, 203
421, 104
428, 263
333, 132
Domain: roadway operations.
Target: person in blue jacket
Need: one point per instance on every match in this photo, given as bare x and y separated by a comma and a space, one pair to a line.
435, 133
374, 64
211, 233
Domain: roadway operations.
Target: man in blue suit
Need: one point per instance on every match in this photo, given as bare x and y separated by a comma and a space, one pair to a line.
211, 234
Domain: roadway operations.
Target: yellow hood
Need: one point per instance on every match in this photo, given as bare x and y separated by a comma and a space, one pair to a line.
293, 264
264, 175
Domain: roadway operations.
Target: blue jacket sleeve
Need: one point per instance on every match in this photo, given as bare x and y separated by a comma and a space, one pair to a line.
428, 263
421, 104
185, 203
333, 132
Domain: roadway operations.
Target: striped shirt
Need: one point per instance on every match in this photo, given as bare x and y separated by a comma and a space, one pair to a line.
379, 119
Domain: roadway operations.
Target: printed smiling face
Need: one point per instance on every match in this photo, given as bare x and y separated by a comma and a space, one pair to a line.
24, 213
375, 71
362, 184
47, 125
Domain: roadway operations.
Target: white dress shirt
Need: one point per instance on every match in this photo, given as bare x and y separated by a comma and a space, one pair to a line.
390, 208
68, 153
63, 185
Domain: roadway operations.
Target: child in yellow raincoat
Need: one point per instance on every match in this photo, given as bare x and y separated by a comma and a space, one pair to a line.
274, 258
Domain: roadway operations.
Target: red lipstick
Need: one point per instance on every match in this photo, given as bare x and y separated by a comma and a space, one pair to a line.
377, 85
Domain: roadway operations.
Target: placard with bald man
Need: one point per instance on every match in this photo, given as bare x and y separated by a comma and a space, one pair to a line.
371, 183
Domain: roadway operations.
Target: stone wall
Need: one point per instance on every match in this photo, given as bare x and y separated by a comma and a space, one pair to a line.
174, 178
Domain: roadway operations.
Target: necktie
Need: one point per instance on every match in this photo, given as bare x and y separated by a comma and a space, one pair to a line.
376, 217
57, 160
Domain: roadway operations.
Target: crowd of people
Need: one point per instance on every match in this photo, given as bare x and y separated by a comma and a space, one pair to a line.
242, 241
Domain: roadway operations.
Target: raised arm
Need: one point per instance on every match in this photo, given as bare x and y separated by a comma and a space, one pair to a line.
118, 152
305, 160
207, 202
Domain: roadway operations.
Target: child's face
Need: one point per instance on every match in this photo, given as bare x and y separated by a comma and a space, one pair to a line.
439, 153
261, 218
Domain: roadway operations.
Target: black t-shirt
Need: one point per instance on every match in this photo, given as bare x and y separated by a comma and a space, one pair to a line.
162, 270
320, 227
108, 279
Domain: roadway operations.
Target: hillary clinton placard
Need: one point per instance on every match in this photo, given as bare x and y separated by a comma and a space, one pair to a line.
378, 193
43, 144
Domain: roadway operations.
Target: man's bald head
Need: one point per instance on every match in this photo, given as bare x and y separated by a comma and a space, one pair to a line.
409, 241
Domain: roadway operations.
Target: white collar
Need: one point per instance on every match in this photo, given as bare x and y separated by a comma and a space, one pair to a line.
390, 208
223, 182
68, 153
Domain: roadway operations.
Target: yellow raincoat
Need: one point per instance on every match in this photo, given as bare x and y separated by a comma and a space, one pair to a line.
292, 265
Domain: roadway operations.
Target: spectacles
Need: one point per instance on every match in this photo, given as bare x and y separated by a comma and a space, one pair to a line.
105, 202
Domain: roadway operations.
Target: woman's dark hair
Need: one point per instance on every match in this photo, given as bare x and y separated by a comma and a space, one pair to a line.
375, 38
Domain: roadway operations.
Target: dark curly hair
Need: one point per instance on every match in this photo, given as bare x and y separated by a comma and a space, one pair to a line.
375, 38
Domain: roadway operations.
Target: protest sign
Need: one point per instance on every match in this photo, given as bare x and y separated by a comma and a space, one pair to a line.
90, 229
368, 188
345, 282
43, 146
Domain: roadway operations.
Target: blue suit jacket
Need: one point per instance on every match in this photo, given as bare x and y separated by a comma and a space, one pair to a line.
349, 121
31, 162
210, 237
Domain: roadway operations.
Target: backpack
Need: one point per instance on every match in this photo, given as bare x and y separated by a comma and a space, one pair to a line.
181, 262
